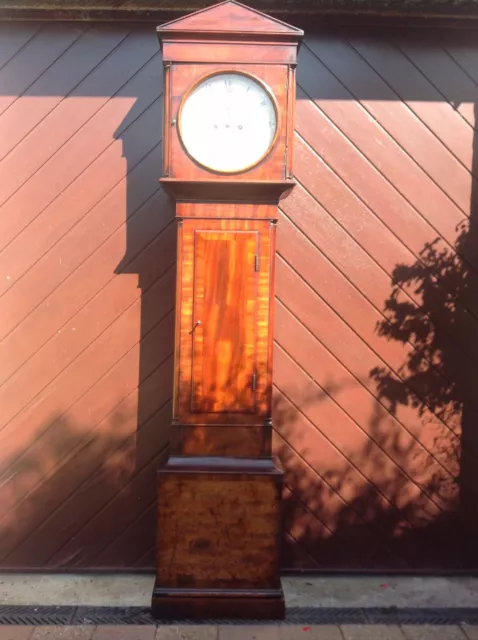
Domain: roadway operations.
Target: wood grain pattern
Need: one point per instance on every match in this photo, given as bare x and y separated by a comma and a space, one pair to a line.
219, 526
221, 440
220, 52
224, 321
215, 531
193, 368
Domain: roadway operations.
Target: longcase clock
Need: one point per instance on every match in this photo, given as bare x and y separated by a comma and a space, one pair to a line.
229, 93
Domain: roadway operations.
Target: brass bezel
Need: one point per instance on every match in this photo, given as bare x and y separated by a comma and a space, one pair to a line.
260, 82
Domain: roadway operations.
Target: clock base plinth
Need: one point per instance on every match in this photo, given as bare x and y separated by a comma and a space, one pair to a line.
181, 604
218, 539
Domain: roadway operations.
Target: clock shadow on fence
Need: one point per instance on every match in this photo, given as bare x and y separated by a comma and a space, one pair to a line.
150, 253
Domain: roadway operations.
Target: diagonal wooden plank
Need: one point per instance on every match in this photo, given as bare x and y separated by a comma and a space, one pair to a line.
115, 206
113, 382
373, 142
341, 296
108, 462
456, 338
366, 86
367, 362
130, 543
341, 164
385, 474
444, 73
466, 56
420, 96
45, 170
93, 275
13, 40
33, 59
293, 555
409, 444
303, 436
124, 502
82, 214
55, 84
93, 318
412, 506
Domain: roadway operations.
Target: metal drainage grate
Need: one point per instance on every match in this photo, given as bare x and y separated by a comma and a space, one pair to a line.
422, 616
113, 615
57, 616
36, 616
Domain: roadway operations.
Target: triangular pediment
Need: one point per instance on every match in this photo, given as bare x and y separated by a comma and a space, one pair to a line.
229, 17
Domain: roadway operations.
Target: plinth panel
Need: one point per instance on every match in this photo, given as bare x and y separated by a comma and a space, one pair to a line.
218, 530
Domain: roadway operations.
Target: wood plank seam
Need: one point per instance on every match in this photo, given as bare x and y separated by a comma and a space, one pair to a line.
358, 381
362, 294
382, 126
150, 507
361, 339
75, 133
450, 247
17, 97
59, 373
70, 407
421, 489
443, 96
395, 188
34, 34
351, 418
374, 529
360, 101
404, 101
96, 293
63, 97
70, 496
462, 67
91, 254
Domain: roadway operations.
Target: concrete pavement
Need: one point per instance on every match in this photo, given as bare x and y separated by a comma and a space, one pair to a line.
230, 632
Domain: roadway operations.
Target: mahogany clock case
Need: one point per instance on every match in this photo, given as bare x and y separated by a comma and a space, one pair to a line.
235, 38
219, 496
177, 162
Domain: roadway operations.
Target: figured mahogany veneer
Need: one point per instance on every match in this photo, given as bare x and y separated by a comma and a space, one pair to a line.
219, 514
223, 301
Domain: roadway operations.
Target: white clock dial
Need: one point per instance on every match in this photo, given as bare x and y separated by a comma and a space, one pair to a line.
228, 122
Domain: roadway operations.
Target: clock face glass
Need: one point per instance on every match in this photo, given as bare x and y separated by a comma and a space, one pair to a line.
228, 122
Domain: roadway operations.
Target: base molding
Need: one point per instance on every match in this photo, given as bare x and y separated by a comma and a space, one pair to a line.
180, 604
218, 539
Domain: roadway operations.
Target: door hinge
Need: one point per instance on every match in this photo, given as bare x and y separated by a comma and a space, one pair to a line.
256, 262
254, 381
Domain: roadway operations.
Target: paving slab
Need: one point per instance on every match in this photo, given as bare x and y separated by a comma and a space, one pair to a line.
367, 632
249, 632
433, 632
19, 632
470, 631
108, 590
381, 591
314, 632
186, 632
63, 633
125, 632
